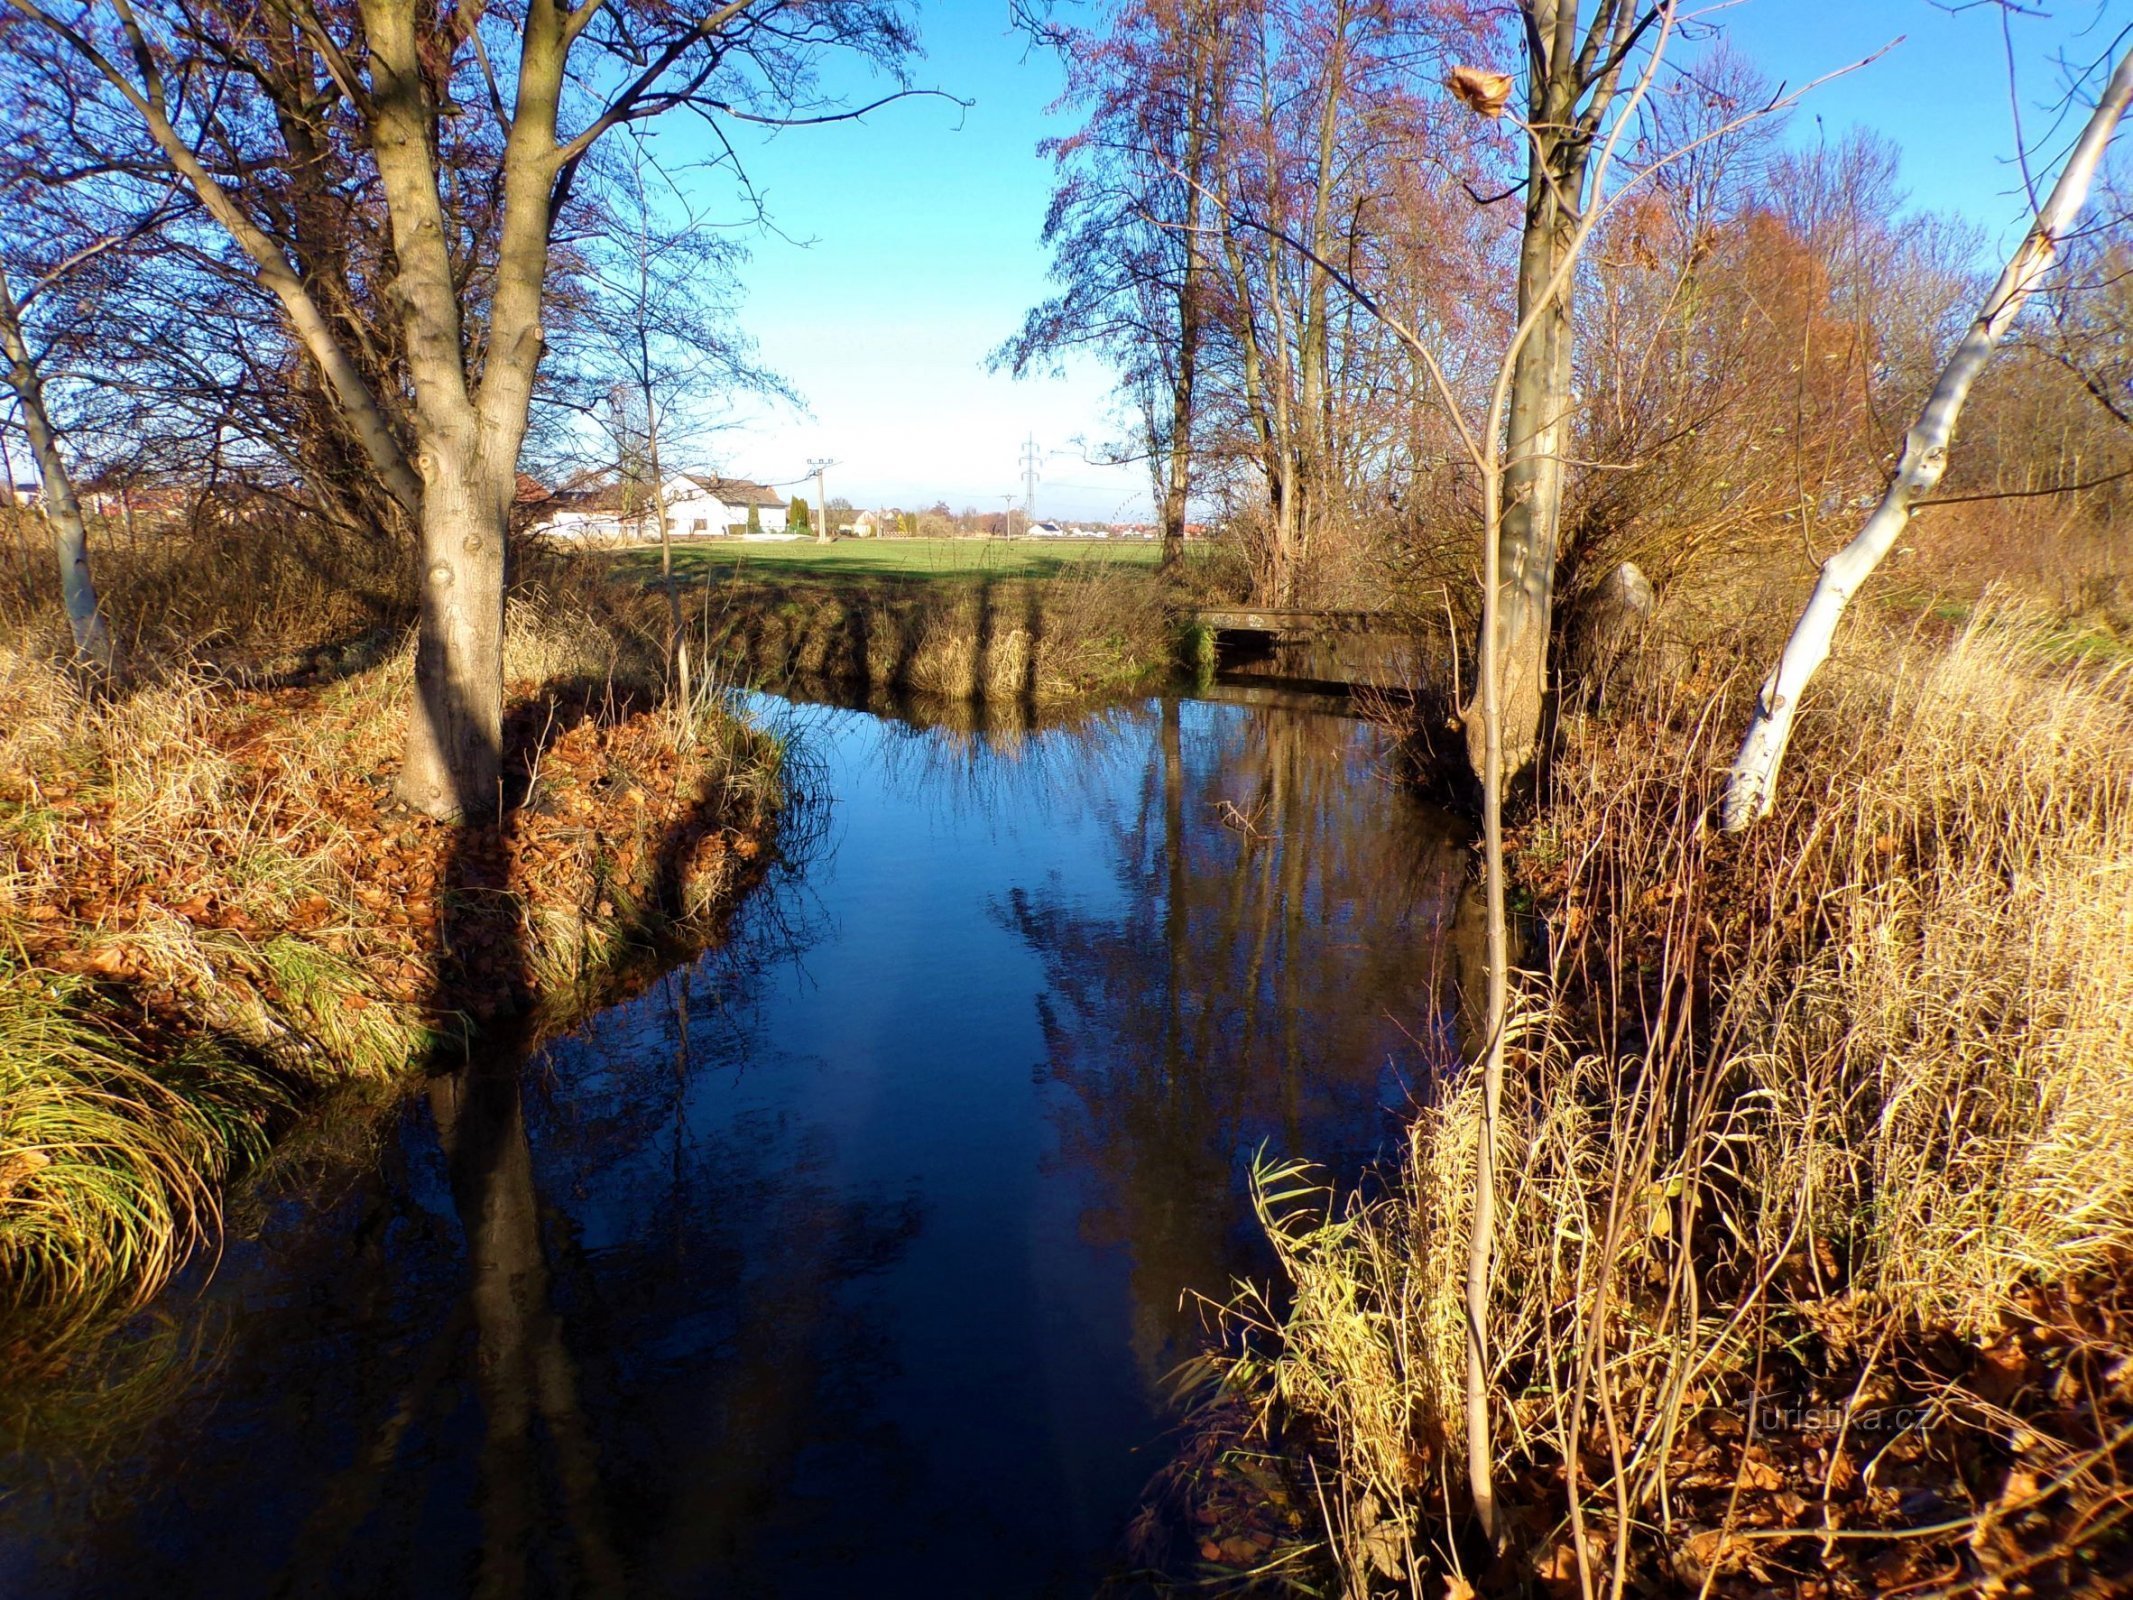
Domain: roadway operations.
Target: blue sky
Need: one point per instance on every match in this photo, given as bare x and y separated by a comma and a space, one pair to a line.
907, 246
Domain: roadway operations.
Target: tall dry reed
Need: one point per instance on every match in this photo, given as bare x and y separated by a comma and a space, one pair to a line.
1781, 1107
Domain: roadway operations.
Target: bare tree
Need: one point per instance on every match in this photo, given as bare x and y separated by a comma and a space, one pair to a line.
1751, 786
74, 237
506, 105
62, 509
1574, 69
1492, 449
1501, 461
653, 350
1126, 224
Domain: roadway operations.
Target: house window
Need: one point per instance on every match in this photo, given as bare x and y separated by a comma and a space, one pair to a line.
699, 525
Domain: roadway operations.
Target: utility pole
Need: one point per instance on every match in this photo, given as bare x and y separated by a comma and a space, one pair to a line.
818, 465
1010, 501
1030, 458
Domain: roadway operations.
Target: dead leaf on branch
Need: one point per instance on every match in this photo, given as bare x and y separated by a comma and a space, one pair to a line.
1480, 90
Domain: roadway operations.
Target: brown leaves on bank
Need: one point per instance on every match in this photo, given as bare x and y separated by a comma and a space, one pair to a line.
264, 821
211, 904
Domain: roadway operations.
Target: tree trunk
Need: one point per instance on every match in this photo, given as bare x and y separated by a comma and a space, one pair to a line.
1753, 782
70, 535
454, 761
1184, 383
1560, 134
468, 436
1177, 483
1537, 432
1177, 486
14, 517
677, 639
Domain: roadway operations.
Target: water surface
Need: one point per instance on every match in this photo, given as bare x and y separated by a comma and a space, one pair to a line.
848, 1260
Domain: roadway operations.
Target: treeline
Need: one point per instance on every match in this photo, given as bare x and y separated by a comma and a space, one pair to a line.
1274, 219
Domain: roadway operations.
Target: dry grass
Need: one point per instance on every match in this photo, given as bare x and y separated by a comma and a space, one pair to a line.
211, 910
260, 592
1844, 1110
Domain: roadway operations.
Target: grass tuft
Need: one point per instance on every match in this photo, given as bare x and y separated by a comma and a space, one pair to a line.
107, 1170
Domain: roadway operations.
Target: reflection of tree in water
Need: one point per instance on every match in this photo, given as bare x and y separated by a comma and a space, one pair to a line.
516, 1360
1273, 978
719, 1303
1002, 759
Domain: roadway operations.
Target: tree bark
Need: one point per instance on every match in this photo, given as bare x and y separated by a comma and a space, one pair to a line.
1562, 73
1538, 427
453, 764
1752, 785
1539, 415
468, 439
62, 510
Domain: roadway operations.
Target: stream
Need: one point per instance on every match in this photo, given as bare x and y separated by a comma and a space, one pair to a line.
849, 1259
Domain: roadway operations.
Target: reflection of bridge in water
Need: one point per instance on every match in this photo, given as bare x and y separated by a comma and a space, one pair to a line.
1317, 652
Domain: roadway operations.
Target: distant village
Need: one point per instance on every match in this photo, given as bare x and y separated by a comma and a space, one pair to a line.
606, 510
599, 509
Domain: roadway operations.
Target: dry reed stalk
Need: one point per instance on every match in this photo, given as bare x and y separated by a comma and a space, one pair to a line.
1861, 1078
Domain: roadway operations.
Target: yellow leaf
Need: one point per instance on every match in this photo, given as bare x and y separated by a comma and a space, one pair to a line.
1480, 90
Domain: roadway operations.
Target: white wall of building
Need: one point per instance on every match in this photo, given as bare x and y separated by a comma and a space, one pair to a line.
693, 511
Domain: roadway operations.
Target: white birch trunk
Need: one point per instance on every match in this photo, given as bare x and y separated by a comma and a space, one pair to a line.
1753, 782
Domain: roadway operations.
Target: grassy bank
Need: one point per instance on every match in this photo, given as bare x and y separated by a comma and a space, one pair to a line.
959, 619
1812, 1279
212, 910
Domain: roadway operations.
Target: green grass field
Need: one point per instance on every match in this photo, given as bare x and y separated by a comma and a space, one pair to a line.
892, 560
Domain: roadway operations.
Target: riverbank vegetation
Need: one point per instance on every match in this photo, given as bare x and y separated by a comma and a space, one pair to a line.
213, 911
1769, 1231
1820, 1202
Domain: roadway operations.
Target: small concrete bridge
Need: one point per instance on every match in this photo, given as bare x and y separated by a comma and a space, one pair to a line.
1290, 626
1312, 652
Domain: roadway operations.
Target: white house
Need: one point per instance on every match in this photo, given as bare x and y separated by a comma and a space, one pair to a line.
591, 510
700, 506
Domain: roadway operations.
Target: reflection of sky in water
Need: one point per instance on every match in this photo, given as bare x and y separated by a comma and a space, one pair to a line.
857, 1250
